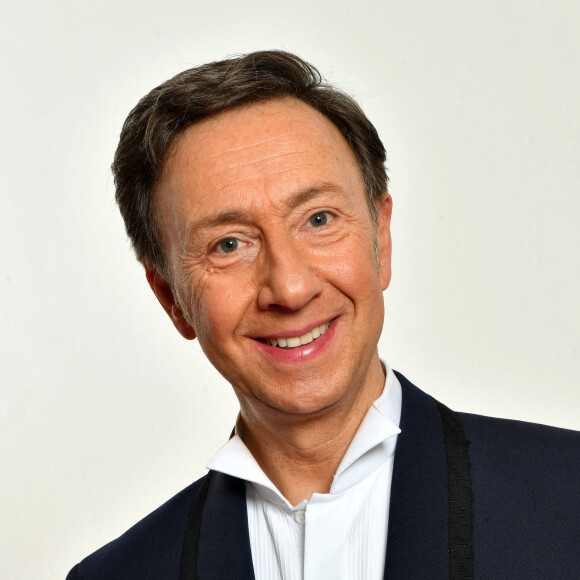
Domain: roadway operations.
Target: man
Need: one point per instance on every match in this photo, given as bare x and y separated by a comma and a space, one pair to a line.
256, 198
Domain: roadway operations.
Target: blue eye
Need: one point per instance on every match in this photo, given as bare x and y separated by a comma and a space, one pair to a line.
229, 245
318, 219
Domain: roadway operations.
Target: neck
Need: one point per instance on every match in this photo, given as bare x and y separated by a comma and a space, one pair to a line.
300, 454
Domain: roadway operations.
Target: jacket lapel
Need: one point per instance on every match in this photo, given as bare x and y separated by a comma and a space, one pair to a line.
417, 539
224, 542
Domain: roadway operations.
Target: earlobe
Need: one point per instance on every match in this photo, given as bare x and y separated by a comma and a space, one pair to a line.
162, 290
384, 211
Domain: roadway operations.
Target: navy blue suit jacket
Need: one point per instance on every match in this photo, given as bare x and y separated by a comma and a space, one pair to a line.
526, 509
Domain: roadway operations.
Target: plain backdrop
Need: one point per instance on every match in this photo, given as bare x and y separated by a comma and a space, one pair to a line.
105, 410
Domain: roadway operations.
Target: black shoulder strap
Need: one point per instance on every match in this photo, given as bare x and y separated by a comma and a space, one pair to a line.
189, 554
460, 496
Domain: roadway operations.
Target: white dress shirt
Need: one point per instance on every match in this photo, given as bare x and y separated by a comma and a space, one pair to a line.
337, 535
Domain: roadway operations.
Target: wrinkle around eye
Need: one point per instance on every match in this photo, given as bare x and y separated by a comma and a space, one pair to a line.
242, 256
217, 249
330, 217
192, 257
332, 226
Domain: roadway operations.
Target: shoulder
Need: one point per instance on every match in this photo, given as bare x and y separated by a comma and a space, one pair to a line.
505, 441
526, 497
519, 460
524, 481
150, 549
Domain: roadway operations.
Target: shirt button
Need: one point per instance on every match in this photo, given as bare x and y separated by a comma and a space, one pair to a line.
299, 516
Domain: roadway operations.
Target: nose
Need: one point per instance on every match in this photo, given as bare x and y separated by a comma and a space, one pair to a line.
289, 280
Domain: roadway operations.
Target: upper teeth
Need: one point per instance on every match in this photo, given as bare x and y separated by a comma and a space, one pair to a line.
294, 341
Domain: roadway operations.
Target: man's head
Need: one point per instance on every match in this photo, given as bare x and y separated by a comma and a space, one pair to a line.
154, 125
275, 246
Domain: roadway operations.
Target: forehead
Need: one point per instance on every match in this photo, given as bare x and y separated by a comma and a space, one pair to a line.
252, 154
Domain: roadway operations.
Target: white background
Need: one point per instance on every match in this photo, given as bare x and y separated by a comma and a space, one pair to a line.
105, 410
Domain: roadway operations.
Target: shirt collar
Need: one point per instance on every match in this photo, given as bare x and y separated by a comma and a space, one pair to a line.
372, 445
374, 442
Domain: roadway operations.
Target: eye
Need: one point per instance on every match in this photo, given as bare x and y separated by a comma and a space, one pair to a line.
319, 219
229, 245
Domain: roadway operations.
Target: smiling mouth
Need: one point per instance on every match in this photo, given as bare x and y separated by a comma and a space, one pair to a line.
296, 341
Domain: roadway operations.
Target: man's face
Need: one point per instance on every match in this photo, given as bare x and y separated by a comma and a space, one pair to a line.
271, 244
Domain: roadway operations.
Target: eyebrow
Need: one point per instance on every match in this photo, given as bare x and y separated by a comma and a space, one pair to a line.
228, 216
310, 193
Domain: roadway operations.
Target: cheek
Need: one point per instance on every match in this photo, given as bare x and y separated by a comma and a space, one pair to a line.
221, 305
352, 267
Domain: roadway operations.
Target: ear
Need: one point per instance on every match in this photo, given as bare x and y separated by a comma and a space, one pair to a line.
384, 211
162, 290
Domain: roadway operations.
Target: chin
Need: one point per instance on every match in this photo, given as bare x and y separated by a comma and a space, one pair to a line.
303, 403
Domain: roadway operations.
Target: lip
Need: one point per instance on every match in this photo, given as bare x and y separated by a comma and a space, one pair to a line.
300, 353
